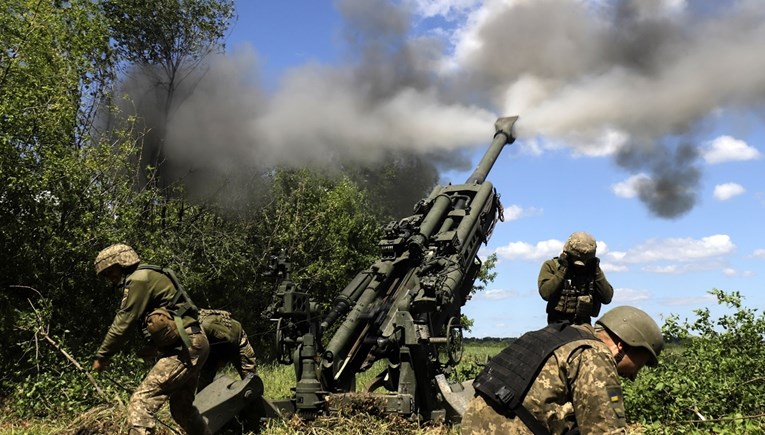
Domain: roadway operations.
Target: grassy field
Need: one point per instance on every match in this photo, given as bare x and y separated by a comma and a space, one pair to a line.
278, 379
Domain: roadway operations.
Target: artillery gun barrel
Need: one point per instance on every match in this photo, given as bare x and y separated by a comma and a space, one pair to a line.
504, 135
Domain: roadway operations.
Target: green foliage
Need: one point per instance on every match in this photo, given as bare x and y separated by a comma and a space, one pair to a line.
712, 370
485, 276
164, 42
326, 226
167, 32
55, 66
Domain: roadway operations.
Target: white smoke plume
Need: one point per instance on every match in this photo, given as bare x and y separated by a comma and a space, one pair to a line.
636, 79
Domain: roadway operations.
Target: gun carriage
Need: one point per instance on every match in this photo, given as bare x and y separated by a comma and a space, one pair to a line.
404, 309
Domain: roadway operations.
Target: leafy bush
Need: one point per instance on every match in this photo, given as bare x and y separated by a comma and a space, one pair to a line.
711, 377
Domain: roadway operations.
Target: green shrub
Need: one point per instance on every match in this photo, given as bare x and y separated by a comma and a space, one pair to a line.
710, 378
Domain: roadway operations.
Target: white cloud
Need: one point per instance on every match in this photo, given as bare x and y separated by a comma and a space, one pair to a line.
496, 294
515, 212
727, 148
542, 250
628, 295
526, 251
729, 271
611, 267
676, 249
702, 301
727, 191
629, 187
758, 253
669, 269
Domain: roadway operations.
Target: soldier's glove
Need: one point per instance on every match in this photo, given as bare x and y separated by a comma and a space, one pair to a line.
563, 261
592, 266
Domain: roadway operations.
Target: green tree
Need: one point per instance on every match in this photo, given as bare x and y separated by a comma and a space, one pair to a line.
325, 223
54, 68
166, 41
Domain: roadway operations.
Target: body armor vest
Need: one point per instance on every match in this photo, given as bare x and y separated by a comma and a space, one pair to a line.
508, 376
577, 302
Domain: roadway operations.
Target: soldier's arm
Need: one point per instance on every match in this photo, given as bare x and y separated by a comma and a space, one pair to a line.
133, 304
603, 287
597, 394
550, 279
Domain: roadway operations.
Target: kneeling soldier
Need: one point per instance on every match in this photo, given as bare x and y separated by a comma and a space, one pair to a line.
564, 378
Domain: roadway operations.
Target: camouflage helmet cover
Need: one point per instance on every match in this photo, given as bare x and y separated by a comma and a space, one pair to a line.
581, 246
636, 328
120, 254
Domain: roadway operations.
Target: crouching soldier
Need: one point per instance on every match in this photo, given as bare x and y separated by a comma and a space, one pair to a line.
564, 378
153, 299
228, 344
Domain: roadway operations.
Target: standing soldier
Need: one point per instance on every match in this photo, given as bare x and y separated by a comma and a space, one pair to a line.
564, 378
228, 344
573, 284
153, 299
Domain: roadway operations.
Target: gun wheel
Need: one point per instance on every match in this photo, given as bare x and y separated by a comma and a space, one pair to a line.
455, 346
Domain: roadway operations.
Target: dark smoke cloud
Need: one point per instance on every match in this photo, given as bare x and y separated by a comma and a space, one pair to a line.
604, 78
381, 110
670, 190
583, 73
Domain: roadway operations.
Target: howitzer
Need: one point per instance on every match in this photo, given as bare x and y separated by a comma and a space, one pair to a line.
404, 309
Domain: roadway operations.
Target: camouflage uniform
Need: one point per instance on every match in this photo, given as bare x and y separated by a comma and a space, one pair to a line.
228, 344
175, 374
578, 387
573, 284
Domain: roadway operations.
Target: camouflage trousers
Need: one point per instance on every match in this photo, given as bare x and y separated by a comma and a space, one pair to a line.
247, 362
242, 358
482, 419
175, 378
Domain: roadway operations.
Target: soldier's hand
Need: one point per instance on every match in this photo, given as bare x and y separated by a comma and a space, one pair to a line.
563, 261
99, 364
593, 265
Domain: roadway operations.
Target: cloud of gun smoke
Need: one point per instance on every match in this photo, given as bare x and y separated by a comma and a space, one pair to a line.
581, 72
578, 72
385, 98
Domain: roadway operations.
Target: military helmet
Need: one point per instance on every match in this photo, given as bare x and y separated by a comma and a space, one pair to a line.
581, 246
636, 328
120, 254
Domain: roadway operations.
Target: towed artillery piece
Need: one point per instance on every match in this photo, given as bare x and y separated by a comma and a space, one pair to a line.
404, 309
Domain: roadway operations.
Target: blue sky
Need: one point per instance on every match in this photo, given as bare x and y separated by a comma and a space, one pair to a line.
641, 125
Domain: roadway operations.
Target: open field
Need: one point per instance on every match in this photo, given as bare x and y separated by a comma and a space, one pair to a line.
278, 379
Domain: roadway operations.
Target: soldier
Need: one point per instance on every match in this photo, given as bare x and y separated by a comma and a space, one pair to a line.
153, 299
573, 284
228, 344
577, 389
